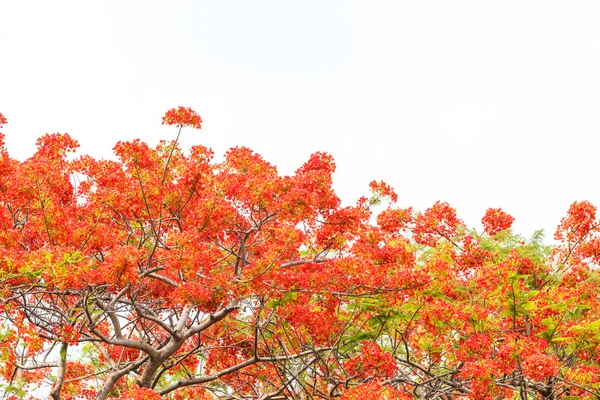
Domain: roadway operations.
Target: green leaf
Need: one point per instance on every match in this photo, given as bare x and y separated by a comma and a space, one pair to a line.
594, 325
528, 305
287, 298
530, 293
513, 277
547, 321
362, 336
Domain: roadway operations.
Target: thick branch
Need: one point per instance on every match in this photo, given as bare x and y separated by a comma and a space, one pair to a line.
116, 375
62, 369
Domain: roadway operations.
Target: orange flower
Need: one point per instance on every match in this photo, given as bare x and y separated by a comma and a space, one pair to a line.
580, 220
495, 220
382, 189
182, 116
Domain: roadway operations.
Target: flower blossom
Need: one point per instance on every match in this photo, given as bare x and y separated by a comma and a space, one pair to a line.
495, 220
182, 116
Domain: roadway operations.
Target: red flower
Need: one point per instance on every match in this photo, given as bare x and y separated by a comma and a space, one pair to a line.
437, 221
371, 361
182, 116
382, 189
580, 220
495, 220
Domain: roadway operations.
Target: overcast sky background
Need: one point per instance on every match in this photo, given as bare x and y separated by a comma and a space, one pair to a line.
478, 103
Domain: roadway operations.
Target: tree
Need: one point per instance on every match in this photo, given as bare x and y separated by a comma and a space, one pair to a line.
163, 274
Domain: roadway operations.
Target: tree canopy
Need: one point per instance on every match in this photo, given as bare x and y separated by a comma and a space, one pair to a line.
165, 274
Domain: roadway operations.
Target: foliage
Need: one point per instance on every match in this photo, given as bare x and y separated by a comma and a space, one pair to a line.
164, 274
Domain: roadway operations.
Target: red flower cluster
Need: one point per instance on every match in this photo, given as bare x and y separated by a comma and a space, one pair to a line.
495, 220
182, 116
67, 334
478, 346
519, 264
140, 393
2, 122
580, 220
382, 189
392, 220
539, 366
371, 361
437, 221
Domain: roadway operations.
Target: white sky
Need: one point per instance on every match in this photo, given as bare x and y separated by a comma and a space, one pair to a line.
478, 103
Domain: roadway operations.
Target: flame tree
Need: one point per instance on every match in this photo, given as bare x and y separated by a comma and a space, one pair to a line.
165, 274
